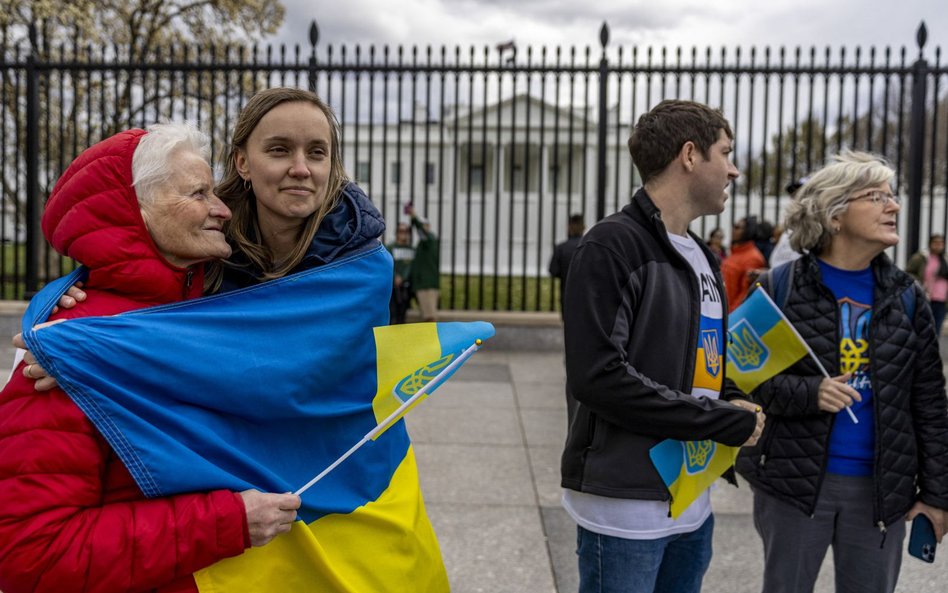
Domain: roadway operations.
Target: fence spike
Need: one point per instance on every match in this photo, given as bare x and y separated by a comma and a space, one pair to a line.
313, 33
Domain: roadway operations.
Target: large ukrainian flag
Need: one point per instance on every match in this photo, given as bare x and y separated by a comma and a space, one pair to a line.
761, 342
263, 388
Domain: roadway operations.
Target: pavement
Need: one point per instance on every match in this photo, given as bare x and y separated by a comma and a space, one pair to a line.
488, 445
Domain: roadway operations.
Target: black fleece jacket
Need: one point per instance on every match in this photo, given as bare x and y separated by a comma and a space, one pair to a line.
632, 320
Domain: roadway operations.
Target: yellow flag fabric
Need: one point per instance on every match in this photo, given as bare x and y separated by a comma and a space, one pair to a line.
385, 545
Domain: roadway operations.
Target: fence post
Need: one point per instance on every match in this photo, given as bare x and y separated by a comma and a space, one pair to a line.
917, 142
313, 40
603, 125
33, 209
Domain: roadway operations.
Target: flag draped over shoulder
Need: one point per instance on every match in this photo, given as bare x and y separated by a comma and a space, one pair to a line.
761, 342
263, 388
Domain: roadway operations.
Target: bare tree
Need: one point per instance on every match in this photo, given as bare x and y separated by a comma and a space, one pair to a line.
79, 106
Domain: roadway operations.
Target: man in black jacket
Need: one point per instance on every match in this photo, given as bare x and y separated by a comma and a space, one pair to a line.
645, 324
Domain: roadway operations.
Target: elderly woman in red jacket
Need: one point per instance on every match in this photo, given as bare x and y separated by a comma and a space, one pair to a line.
138, 210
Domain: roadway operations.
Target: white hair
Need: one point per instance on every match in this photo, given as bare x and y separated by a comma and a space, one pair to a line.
826, 193
151, 162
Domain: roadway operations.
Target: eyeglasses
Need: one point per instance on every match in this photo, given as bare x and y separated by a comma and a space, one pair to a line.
878, 198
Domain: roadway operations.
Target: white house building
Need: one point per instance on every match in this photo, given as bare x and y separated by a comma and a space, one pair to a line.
498, 182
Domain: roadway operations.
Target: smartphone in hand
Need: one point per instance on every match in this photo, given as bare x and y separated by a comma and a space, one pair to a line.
922, 539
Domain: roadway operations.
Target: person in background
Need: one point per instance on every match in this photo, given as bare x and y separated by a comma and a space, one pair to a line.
715, 243
563, 252
818, 478
403, 254
931, 271
425, 276
782, 252
640, 292
139, 211
742, 266
765, 238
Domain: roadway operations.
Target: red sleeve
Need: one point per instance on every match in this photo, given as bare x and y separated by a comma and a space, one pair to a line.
58, 533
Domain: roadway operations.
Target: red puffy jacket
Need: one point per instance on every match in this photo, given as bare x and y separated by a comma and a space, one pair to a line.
71, 517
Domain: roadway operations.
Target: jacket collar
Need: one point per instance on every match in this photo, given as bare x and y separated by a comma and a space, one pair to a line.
642, 208
352, 225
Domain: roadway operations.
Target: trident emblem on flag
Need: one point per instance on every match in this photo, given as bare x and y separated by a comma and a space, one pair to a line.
697, 455
410, 385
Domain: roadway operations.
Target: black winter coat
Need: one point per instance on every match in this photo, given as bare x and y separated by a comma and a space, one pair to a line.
911, 416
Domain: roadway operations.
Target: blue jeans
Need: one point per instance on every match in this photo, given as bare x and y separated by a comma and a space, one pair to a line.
672, 564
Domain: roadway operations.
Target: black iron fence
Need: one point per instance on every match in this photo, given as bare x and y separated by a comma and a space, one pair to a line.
497, 146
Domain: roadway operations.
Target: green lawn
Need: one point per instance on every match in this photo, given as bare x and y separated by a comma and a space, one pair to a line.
13, 269
503, 293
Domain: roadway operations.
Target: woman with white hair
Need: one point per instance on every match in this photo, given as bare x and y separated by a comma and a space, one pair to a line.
138, 210
820, 478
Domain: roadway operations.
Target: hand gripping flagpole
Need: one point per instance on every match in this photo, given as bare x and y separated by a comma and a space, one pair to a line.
384, 425
809, 350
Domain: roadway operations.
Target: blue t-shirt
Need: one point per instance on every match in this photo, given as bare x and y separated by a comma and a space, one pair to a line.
852, 446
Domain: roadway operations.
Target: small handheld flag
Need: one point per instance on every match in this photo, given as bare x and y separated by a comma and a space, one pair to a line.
428, 386
689, 468
762, 343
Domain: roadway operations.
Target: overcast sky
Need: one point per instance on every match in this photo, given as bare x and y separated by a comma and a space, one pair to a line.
641, 22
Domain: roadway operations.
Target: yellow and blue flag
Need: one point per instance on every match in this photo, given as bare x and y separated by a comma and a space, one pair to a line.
761, 342
689, 468
262, 388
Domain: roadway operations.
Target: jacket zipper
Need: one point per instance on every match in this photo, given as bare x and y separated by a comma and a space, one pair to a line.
186, 289
876, 475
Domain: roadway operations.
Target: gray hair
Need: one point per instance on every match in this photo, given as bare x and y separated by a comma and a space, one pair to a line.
825, 195
151, 163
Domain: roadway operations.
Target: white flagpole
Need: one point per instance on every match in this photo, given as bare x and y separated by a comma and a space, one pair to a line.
819, 364
401, 409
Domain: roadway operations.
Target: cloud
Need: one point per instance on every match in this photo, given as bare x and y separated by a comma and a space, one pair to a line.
567, 23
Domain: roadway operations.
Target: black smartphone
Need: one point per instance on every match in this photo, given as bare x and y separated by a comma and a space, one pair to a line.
922, 539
